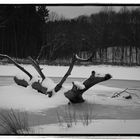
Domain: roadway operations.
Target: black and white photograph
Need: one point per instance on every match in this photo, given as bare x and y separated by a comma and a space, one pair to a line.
70, 69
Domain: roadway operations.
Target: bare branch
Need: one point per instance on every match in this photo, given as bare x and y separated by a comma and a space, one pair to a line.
116, 94
17, 65
59, 85
74, 59
38, 69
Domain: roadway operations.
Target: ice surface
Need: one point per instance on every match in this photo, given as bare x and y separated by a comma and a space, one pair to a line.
18, 97
96, 127
117, 72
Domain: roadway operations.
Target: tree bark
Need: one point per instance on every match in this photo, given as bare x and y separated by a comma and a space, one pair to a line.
75, 95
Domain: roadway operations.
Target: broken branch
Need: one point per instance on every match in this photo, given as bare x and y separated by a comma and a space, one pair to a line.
75, 58
17, 65
38, 69
59, 85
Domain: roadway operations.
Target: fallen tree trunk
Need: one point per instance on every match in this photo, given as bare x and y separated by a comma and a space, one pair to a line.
75, 94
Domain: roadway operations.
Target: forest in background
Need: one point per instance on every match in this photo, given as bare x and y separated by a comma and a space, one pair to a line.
110, 37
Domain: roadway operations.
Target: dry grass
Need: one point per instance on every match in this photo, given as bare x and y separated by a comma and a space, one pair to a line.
14, 122
70, 116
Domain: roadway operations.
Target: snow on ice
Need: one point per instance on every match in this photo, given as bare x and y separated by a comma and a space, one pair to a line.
49, 84
97, 127
117, 72
21, 98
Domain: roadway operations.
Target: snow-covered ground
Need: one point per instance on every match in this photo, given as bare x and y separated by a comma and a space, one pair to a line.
96, 127
118, 72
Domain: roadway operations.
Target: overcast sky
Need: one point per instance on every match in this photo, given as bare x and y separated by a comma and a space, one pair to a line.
74, 11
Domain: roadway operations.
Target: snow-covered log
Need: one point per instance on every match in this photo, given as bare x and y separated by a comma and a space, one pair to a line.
75, 94
22, 80
37, 84
45, 87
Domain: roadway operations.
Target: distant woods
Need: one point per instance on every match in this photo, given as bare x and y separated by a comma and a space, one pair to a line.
109, 36
21, 29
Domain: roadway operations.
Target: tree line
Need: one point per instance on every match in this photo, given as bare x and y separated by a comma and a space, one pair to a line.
21, 29
109, 36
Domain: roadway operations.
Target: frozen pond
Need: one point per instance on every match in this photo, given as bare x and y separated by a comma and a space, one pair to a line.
99, 111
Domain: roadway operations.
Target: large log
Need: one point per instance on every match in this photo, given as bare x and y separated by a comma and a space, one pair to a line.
75, 94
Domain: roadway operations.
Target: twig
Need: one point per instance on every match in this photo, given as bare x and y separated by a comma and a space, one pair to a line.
116, 94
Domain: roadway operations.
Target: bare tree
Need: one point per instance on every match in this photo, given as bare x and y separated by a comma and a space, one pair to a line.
53, 16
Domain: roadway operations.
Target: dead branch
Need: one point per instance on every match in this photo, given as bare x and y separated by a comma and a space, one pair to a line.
117, 94
37, 67
75, 58
59, 85
17, 65
38, 85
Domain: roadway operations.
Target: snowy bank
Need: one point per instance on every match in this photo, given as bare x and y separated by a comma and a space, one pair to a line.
28, 99
118, 72
96, 127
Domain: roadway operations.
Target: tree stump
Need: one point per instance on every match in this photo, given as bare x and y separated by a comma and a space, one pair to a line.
75, 95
